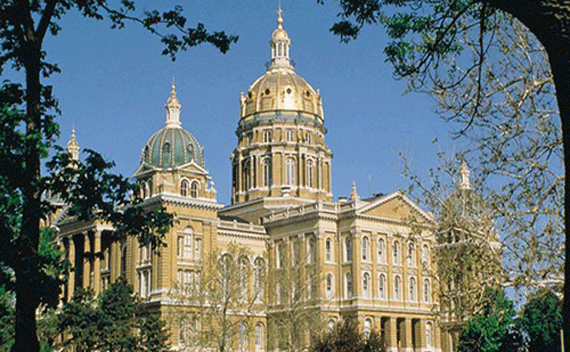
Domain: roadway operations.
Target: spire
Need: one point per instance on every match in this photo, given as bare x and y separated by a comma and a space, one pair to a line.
353, 194
280, 44
73, 146
173, 109
464, 176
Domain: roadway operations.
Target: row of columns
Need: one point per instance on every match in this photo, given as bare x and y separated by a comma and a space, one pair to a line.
409, 334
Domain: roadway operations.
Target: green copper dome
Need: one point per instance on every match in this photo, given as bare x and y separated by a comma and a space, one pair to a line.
172, 147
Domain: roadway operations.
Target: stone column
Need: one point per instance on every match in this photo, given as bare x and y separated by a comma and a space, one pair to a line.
97, 262
71, 258
391, 331
86, 262
419, 327
406, 335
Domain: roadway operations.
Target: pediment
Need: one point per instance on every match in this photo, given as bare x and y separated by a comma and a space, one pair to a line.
396, 206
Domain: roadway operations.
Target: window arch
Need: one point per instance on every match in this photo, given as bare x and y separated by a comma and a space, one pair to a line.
366, 285
259, 337
243, 278
348, 285
412, 287
184, 249
290, 172
428, 335
267, 136
411, 254
382, 286
242, 336
312, 249
427, 291
367, 327
328, 250
397, 287
347, 248
184, 186
266, 167
259, 278
425, 255
310, 168
246, 175
329, 285
381, 250
365, 248
396, 253
194, 189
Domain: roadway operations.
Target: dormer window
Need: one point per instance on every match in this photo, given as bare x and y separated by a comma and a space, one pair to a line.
184, 185
194, 189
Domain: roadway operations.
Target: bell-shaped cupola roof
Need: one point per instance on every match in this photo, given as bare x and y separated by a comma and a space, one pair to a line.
172, 145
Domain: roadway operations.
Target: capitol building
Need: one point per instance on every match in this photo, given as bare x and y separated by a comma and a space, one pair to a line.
303, 261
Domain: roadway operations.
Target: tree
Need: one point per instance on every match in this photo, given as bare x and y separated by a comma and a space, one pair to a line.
294, 316
115, 321
427, 38
542, 321
493, 328
345, 338
218, 303
28, 130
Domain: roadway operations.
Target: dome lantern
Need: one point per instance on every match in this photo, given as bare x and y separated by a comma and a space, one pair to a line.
280, 44
73, 146
464, 177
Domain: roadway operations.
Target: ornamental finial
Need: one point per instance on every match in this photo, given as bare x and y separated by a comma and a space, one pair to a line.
464, 183
173, 109
73, 146
279, 18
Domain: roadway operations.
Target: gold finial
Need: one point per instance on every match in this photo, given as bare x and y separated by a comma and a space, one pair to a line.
354, 194
173, 108
279, 18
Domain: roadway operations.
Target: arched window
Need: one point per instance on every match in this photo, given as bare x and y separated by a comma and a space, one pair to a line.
347, 248
259, 337
310, 173
246, 175
367, 327
328, 250
348, 285
396, 253
366, 285
242, 336
329, 285
146, 154
312, 249
184, 186
198, 248
266, 166
412, 289
187, 244
330, 325
150, 189
427, 291
267, 136
280, 258
411, 254
194, 189
242, 279
382, 286
365, 246
259, 278
290, 172
290, 135
428, 335
397, 288
309, 138
381, 249
425, 254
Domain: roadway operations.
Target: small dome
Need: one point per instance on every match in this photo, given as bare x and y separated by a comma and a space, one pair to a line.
171, 147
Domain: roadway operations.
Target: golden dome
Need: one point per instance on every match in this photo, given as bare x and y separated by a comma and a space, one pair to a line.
280, 88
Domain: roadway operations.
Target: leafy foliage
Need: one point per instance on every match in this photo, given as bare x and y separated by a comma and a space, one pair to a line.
345, 338
542, 321
116, 321
493, 328
27, 135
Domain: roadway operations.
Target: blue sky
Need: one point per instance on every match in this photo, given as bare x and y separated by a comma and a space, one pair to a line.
114, 85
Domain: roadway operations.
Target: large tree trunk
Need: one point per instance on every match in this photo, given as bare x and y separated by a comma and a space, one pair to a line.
28, 283
549, 21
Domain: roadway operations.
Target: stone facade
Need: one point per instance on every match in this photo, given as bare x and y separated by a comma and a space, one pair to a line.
356, 258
